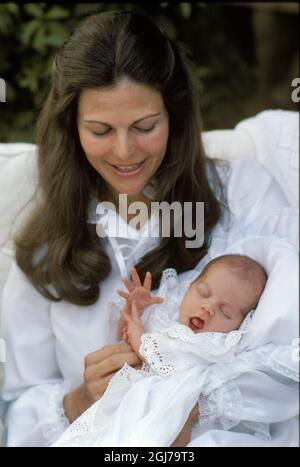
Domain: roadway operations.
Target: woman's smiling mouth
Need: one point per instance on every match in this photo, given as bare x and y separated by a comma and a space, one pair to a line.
129, 170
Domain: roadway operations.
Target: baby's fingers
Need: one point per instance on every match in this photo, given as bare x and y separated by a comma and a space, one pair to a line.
157, 300
135, 277
147, 281
127, 284
123, 294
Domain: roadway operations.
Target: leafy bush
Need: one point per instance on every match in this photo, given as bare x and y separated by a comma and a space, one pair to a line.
31, 33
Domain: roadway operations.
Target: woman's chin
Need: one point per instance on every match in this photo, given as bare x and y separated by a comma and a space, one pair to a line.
135, 192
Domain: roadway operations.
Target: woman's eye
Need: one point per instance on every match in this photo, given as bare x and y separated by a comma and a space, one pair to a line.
145, 130
100, 134
142, 130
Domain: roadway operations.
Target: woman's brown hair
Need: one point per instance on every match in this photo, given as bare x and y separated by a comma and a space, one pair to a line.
58, 249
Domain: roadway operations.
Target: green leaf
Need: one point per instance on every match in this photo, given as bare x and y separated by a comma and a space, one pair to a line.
39, 41
185, 9
54, 40
12, 8
34, 9
83, 9
59, 31
27, 31
57, 12
6, 24
167, 25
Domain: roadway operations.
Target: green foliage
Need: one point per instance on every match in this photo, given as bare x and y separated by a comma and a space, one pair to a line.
30, 34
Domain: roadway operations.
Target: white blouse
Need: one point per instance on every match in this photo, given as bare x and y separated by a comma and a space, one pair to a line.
47, 341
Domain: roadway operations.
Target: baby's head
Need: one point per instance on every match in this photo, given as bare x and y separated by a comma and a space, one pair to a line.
219, 299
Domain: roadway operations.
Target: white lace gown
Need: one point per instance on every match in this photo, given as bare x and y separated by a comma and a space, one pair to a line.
149, 407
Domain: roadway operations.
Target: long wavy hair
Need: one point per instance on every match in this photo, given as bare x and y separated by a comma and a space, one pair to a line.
58, 249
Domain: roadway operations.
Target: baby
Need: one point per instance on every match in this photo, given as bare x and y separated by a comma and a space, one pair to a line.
218, 300
191, 341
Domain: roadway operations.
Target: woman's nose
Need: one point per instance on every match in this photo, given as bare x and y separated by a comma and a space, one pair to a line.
122, 147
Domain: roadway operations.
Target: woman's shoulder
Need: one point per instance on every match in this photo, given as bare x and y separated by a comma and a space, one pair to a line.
20, 294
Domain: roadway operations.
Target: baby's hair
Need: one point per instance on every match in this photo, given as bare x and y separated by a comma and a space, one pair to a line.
244, 268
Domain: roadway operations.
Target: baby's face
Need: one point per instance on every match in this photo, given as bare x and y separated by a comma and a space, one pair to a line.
216, 302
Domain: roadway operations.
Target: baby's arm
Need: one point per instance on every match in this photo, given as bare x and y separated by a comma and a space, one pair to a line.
122, 324
140, 293
134, 330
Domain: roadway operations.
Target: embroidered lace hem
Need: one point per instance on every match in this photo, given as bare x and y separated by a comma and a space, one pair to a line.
223, 404
54, 420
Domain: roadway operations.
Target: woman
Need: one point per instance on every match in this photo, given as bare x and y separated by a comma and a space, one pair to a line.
122, 117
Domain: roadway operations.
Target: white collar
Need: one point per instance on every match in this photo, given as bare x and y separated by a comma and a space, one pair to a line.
115, 227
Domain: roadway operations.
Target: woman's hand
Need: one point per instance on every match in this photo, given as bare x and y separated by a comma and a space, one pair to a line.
100, 367
140, 293
184, 436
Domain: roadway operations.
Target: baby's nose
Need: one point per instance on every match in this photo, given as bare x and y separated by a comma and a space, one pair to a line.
208, 309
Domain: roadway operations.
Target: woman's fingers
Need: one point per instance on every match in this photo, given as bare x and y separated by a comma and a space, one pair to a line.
105, 352
135, 277
97, 388
110, 365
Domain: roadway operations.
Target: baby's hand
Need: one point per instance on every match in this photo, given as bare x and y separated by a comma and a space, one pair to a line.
134, 328
141, 294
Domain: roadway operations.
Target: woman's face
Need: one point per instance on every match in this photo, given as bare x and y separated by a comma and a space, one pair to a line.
124, 132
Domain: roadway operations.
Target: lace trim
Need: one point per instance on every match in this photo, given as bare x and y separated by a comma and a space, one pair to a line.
54, 420
220, 341
81, 433
150, 350
284, 370
260, 430
278, 359
169, 278
281, 361
224, 404
128, 375
247, 322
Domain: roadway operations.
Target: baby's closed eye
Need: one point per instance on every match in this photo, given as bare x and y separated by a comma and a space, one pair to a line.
226, 311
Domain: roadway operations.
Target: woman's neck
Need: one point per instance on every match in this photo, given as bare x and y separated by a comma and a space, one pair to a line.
122, 203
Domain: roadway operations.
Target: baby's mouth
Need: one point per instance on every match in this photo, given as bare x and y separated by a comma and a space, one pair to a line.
196, 324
